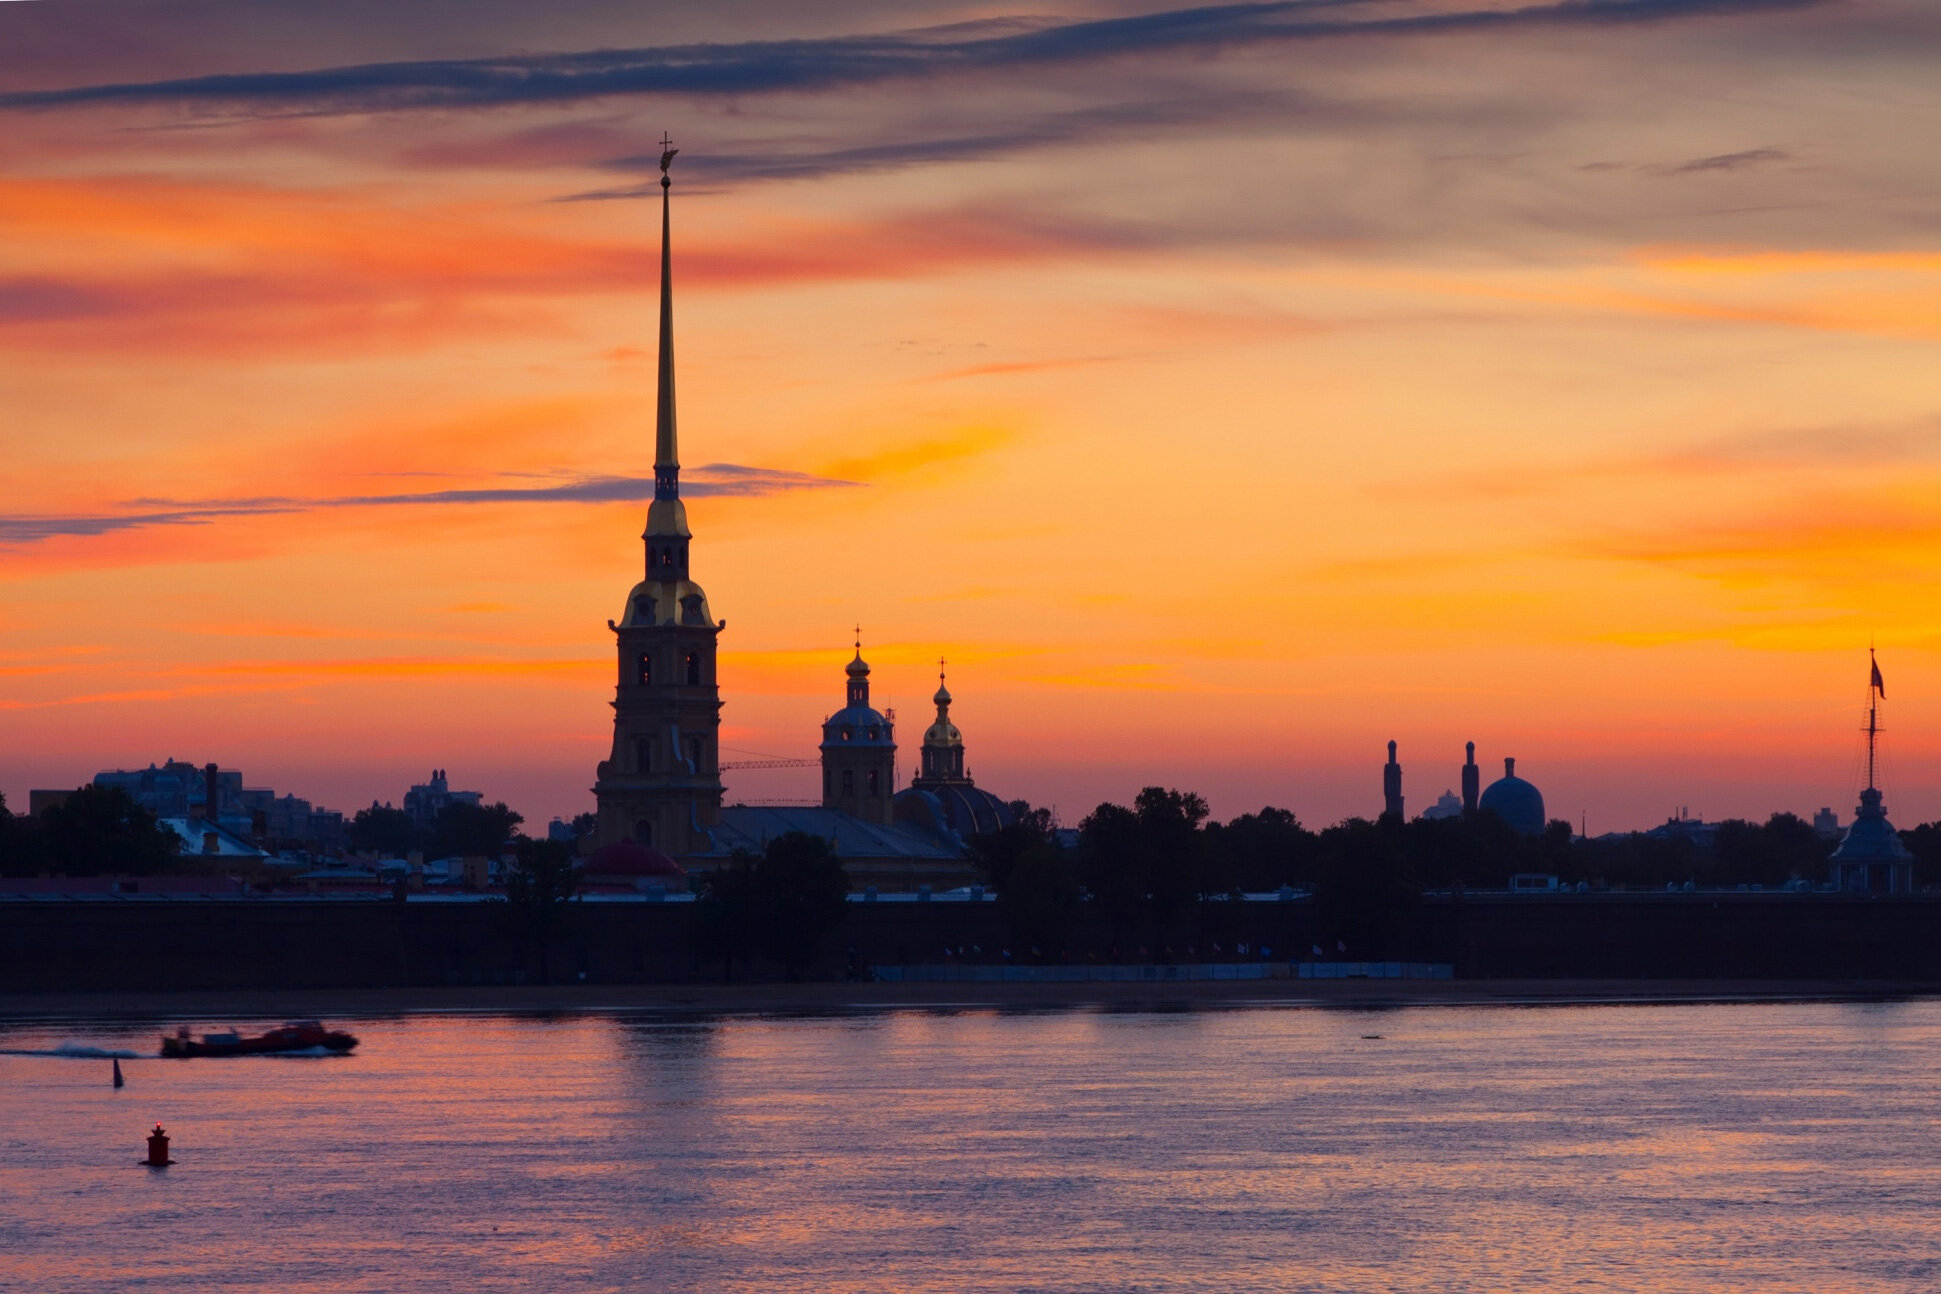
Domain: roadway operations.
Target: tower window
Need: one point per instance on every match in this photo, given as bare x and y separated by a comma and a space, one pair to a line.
847, 732
694, 753
644, 832
873, 789
667, 558
643, 754
644, 674
874, 732
848, 782
694, 669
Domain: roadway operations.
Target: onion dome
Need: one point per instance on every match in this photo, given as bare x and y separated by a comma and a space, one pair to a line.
857, 723
1515, 801
942, 734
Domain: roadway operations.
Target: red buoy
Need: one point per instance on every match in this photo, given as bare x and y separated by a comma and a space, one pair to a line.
158, 1148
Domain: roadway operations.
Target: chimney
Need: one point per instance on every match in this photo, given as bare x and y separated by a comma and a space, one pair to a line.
211, 794
210, 843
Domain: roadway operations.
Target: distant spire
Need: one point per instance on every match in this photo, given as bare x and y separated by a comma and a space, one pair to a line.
667, 458
1876, 690
1392, 784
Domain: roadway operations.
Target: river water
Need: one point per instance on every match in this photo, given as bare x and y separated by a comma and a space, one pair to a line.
1768, 1147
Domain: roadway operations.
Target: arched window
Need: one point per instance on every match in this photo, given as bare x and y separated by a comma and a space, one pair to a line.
847, 733
694, 754
873, 790
848, 782
694, 669
874, 732
643, 754
644, 832
644, 669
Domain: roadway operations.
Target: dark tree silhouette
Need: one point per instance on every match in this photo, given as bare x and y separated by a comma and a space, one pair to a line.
101, 830
1146, 864
384, 830
465, 830
1036, 881
780, 905
545, 879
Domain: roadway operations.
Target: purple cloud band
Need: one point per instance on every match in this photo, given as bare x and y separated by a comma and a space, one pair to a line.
755, 67
714, 480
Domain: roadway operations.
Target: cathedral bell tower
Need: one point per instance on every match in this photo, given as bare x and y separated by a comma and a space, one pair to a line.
859, 751
661, 785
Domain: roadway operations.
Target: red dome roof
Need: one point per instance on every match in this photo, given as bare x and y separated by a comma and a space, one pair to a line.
625, 858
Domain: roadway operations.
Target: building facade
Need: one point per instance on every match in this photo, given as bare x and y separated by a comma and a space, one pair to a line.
859, 752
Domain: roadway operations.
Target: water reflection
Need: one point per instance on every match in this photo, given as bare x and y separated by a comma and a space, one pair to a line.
1769, 1147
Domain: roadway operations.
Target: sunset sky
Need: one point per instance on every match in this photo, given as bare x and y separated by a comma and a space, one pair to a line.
1225, 391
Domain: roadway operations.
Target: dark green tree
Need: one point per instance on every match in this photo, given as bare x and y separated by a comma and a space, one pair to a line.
1261, 851
1364, 881
384, 830
780, 905
1036, 881
542, 883
994, 852
100, 830
20, 844
727, 913
466, 830
1041, 899
1145, 864
1783, 848
1924, 842
803, 896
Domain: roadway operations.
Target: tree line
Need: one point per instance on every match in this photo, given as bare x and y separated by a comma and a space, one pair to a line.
103, 831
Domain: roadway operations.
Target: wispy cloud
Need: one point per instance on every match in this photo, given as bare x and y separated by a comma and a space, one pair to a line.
1731, 161
714, 480
795, 159
768, 66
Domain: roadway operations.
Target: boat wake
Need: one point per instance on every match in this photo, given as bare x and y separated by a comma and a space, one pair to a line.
74, 1051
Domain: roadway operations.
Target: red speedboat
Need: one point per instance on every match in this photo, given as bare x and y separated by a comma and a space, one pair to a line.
301, 1035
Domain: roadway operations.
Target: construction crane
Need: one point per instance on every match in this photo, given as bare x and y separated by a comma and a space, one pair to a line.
739, 765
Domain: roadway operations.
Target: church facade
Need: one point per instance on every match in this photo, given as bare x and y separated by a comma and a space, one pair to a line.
659, 791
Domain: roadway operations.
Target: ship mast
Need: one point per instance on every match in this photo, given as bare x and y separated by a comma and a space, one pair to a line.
1874, 690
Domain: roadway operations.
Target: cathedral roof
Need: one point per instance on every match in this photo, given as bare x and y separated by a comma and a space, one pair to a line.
954, 811
864, 726
751, 827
